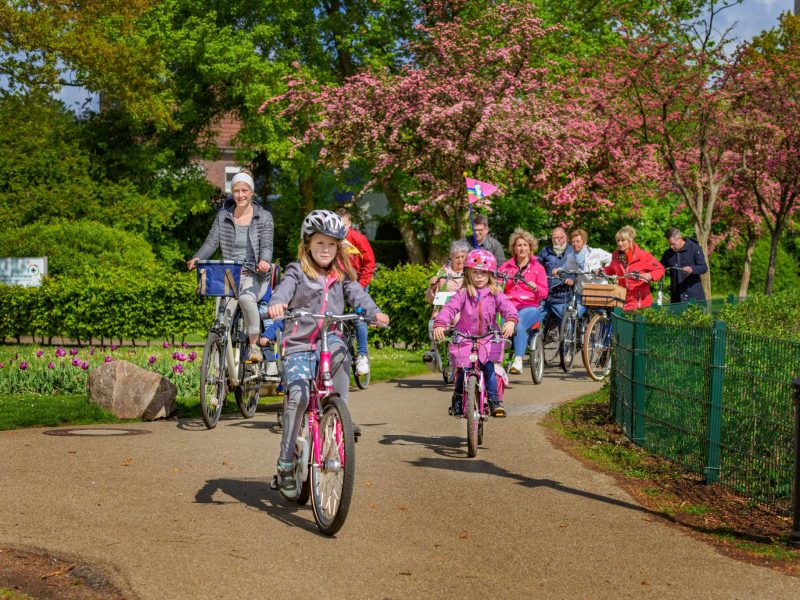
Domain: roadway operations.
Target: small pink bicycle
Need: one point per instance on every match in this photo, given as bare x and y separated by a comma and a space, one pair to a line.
474, 401
325, 459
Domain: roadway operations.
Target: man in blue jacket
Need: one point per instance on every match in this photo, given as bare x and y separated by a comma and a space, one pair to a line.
556, 258
688, 263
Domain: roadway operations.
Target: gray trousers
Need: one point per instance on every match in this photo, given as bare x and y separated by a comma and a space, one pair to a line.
300, 368
251, 290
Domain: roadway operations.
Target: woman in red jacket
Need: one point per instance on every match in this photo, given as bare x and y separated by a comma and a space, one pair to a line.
635, 269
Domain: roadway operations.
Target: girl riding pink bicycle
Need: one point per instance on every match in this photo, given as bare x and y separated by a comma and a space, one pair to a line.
320, 282
479, 304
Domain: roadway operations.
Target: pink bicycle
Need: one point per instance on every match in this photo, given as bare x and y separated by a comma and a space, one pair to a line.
325, 459
475, 400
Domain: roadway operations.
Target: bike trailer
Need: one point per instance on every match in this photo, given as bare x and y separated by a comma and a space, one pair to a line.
603, 295
218, 277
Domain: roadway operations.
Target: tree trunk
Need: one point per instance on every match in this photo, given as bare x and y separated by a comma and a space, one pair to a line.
307, 194
702, 239
414, 249
773, 257
748, 267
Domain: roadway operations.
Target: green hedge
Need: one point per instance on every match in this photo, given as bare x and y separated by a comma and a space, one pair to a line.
400, 292
117, 304
775, 316
121, 304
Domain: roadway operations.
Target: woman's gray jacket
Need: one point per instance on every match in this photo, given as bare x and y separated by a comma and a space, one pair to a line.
223, 233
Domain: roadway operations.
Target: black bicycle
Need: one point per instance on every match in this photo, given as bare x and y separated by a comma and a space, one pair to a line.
351, 341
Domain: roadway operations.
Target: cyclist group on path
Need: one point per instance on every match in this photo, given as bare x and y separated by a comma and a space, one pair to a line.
478, 295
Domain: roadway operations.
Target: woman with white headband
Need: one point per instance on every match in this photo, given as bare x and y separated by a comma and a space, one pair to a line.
243, 232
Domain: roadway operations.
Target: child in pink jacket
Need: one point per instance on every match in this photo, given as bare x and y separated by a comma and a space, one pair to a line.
479, 303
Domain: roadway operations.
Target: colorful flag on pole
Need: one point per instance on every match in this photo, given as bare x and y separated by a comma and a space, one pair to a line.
478, 190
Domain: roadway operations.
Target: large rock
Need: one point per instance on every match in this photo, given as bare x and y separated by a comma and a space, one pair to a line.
130, 392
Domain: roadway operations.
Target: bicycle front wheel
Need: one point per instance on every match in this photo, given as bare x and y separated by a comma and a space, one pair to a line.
473, 415
536, 358
550, 341
597, 347
213, 388
567, 350
332, 478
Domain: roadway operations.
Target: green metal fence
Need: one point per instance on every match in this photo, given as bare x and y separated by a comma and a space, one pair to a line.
716, 401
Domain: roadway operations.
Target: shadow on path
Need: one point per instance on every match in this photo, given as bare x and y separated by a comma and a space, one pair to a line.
415, 384
485, 467
256, 494
451, 446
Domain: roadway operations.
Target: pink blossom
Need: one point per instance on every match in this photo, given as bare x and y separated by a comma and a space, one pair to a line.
60, 352
76, 362
51, 365
73, 351
177, 368
192, 356
152, 358
39, 353
166, 344
23, 365
107, 359
84, 365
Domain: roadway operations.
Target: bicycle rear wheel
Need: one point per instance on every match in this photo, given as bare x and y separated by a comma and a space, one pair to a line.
536, 357
362, 381
597, 347
332, 480
249, 390
213, 388
473, 415
567, 349
550, 341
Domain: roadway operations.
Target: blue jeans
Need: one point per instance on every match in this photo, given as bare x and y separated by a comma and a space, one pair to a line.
527, 317
489, 380
361, 334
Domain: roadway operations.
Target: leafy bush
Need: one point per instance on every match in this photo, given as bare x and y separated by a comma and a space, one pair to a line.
400, 293
78, 248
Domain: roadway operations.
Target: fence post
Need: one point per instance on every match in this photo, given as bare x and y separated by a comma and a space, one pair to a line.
714, 423
639, 376
795, 536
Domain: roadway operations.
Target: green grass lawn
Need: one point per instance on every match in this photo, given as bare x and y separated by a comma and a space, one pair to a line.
49, 410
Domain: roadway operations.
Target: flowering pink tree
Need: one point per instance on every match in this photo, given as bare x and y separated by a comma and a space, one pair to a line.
768, 128
474, 100
664, 96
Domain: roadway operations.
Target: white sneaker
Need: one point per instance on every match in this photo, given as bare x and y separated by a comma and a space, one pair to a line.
516, 366
362, 364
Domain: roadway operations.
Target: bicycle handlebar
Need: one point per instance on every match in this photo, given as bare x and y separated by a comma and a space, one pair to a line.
328, 317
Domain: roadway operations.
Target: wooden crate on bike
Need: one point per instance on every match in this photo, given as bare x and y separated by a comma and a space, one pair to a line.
603, 295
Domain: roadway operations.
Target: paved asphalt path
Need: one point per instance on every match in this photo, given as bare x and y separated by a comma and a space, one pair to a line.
183, 512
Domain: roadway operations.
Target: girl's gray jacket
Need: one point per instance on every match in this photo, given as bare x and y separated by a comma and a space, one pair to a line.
223, 234
321, 295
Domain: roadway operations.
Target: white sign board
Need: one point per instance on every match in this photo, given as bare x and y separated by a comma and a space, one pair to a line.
441, 298
27, 271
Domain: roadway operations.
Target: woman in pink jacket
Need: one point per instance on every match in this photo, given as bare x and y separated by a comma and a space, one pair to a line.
477, 304
629, 259
526, 287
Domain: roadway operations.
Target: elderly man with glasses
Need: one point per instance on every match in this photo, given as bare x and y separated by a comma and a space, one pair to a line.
555, 258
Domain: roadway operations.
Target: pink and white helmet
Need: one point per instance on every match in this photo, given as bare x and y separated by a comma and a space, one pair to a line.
481, 260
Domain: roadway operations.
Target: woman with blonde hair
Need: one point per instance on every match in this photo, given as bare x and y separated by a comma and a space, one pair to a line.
525, 287
635, 269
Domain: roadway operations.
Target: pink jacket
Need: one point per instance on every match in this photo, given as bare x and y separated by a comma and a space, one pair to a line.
521, 294
478, 315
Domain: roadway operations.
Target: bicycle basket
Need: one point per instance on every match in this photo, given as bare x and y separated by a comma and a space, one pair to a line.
603, 295
218, 277
488, 350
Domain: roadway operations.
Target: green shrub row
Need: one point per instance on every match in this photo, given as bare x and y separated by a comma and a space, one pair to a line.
774, 316
121, 304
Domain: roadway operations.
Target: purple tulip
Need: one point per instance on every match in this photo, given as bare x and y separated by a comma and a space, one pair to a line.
39, 353
23, 365
91, 352
177, 368
151, 359
114, 347
76, 362
60, 352
179, 356
165, 344
184, 345
51, 365
85, 366
107, 359
192, 356
73, 351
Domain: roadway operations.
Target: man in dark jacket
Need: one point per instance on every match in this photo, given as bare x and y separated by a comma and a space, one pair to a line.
688, 263
557, 258
484, 240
